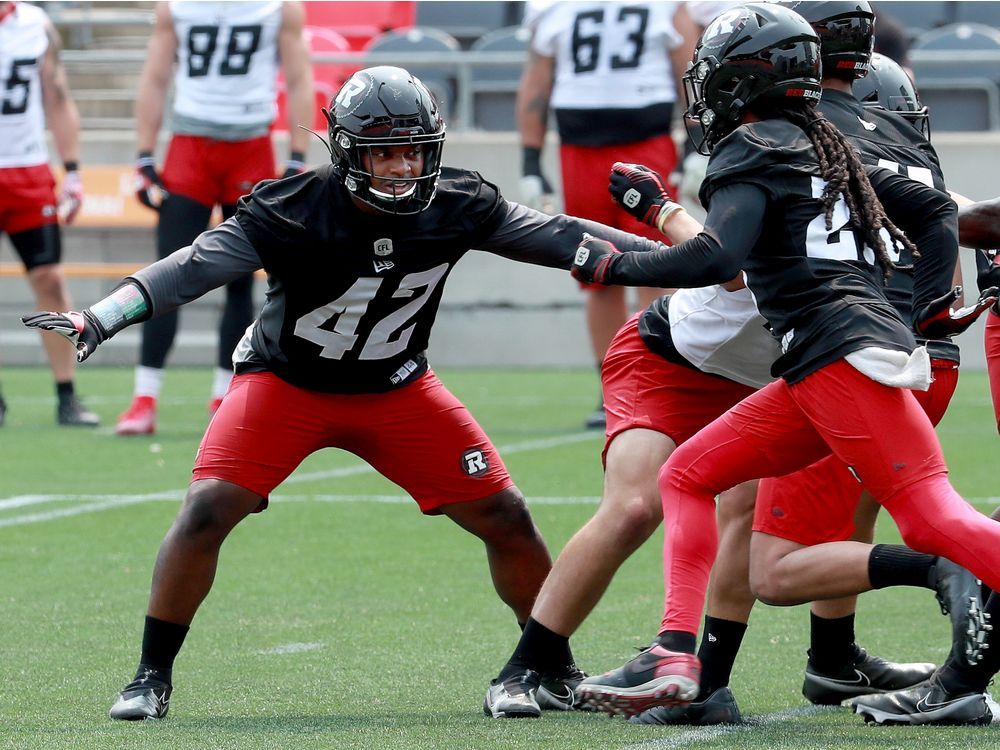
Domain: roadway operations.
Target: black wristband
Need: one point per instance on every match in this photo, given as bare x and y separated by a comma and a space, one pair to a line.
297, 156
71, 166
531, 160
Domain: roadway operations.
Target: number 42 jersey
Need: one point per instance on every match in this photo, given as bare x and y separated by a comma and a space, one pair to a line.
352, 296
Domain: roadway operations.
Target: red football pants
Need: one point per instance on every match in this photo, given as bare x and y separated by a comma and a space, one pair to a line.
878, 431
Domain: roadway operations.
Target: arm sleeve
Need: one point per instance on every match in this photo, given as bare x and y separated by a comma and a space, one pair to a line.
930, 219
217, 257
531, 236
714, 256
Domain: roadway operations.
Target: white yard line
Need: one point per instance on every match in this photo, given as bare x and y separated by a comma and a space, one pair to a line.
92, 503
694, 736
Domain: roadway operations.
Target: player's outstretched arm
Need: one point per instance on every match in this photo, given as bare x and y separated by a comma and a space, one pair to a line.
87, 329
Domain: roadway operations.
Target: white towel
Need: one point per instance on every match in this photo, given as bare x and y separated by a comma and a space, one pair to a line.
892, 368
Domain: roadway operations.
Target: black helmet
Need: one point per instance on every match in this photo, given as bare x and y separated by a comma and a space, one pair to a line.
846, 31
888, 86
385, 106
749, 54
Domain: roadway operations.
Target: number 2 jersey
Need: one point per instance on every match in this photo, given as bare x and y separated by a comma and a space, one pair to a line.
886, 139
819, 289
225, 79
23, 44
352, 296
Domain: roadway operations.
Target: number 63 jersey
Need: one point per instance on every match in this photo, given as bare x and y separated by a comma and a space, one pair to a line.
227, 61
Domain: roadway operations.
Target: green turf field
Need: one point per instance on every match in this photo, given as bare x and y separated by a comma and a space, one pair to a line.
342, 618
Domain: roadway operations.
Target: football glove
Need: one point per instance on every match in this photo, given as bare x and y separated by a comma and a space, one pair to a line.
593, 260
81, 329
639, 190
536, 191
149, 187
988, 271
70, 196
296, 164
937, 320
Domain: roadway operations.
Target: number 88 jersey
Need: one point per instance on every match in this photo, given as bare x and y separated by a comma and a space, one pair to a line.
227, 61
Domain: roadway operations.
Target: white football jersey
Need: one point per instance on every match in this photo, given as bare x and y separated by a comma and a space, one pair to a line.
722, 333
23, 43
610, 55
227, 61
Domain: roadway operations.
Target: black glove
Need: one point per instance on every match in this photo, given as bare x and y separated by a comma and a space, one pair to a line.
148, 185
296, 164
639, 190
593, 260
937, 320
81, 329
988, 272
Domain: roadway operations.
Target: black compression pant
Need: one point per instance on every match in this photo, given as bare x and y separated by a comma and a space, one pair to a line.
181, 221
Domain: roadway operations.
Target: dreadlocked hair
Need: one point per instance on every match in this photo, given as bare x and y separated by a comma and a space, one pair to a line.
845, 175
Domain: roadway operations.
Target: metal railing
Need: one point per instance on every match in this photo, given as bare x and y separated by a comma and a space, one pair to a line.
459, 66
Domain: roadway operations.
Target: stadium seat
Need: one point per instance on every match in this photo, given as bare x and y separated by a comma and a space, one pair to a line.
327, 77
967, 104
958, 66
466, 20
919, 15
439, 79
987, 13
359, 21
494, 87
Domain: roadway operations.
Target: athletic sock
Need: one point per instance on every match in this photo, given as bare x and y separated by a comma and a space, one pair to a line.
720, 642
220, 381
677, 640
161, 641
831, 643
64, 391
540, 649
148, 381
896, 565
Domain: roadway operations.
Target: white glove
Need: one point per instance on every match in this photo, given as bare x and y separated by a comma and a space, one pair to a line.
534, 194
70, 197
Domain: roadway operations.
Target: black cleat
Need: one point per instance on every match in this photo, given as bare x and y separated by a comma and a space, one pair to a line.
960, 597
557, 692
3, 411
926, 703
867, 675
72, 413
146, 697
718, 708
514, 697
656, 676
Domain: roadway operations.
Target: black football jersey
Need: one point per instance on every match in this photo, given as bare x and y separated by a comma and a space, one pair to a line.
820, 290
886, 139
352, 296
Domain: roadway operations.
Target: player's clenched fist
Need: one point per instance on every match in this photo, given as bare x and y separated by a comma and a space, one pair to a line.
593, 260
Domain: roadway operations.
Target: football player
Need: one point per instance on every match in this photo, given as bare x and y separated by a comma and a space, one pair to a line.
357, 254
223, 61
611, 75
35, 93
815, 268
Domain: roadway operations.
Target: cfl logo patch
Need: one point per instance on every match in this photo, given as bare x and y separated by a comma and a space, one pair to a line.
474, 462
631, 198
582, 253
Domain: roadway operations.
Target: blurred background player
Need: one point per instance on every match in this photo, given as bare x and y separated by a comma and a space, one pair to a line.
35, 93
611, 73
224, 58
